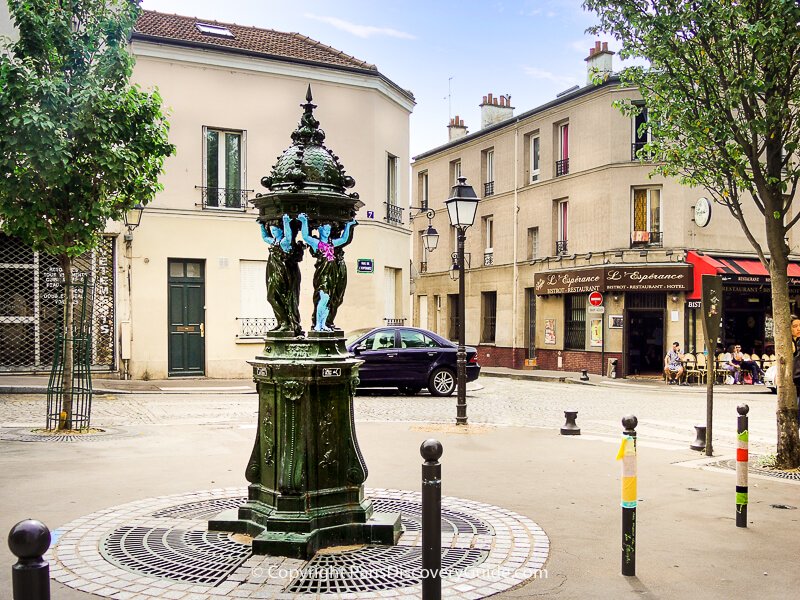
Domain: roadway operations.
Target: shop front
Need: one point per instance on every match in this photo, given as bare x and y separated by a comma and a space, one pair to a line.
625, 313
746, 302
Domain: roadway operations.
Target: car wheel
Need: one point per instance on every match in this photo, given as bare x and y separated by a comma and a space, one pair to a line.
410, 391
442, 382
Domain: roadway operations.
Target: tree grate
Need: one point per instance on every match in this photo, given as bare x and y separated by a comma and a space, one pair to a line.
28, 435
452, 520
200, 557
376, 568
200, 510
755, 469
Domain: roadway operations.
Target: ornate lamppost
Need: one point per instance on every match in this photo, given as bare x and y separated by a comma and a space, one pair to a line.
461, 208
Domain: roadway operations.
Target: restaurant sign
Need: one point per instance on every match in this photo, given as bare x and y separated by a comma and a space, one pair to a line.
633, 278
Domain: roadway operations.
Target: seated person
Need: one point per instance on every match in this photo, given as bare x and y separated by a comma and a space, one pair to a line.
737, 358
673, 365
726, 364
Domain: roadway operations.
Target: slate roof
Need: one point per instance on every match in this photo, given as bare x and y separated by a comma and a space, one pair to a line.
156, 26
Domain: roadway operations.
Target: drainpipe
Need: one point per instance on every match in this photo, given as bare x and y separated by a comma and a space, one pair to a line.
515, 287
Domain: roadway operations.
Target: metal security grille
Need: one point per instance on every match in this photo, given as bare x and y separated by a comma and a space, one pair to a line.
453, 521
31, 303
202, 509
190, 556
575, 321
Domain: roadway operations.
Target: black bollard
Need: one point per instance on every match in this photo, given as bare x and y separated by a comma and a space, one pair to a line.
699, 443
742, 463
570, 427
627, 453
30, 577
584, 375
431, 451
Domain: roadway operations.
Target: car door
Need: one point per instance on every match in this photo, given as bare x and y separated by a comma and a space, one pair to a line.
417, 354
379, 353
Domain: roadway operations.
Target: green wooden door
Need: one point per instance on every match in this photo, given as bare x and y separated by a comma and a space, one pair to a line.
187, 349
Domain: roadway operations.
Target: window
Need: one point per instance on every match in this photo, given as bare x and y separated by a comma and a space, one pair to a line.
422, 190
488, 316
455, 171
562, 208
488, 238
383, 339
394, 213
256, 317
534, 151
217, 30
392, 286
533, 243
646, 216
416, 339
562, 164
640, 133
488, 172
223, 169
575, 321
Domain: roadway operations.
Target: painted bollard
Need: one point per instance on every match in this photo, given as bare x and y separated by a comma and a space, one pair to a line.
570, 427
699, 442
627, 454
431, 451
742, 463
30, 577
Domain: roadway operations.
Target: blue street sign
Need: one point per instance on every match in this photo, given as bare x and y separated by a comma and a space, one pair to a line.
365, 265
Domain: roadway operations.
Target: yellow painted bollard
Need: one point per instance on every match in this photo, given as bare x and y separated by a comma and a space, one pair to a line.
627, 454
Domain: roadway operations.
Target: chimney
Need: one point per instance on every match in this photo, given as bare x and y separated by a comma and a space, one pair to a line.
494, 110
456, 129
598, 62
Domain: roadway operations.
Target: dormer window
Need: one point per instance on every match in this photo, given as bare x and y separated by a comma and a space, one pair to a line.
217, 30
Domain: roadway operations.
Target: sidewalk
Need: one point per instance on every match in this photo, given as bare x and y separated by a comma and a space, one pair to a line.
37, 384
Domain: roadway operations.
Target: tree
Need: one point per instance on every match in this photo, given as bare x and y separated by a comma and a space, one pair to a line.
722, 91
79, 145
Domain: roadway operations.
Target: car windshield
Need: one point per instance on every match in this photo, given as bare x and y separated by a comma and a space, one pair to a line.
355, 334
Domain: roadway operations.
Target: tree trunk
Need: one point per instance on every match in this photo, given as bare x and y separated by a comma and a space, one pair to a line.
67, 362
788, 451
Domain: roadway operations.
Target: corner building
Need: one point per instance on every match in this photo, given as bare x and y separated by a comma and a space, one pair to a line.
566, 209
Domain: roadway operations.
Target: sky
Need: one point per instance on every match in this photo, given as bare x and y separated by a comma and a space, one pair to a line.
448, 53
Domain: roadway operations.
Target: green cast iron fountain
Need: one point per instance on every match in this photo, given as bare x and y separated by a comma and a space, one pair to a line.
306, 471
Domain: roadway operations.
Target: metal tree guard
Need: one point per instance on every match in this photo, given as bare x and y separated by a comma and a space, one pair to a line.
81, 294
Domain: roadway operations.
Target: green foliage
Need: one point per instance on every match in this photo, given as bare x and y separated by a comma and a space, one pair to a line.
721, 91
79, 145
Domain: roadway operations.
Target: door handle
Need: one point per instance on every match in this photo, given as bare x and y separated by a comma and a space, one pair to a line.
431, 353
202, 330
392, 355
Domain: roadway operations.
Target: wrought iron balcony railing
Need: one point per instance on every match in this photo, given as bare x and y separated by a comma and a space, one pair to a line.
223, 198
394, 213
562, 167
255, 327
635, 147
647, 238
394, 322
561, 247
488, 259
488, 188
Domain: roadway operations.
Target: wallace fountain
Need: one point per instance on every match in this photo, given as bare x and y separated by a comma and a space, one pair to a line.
306, 471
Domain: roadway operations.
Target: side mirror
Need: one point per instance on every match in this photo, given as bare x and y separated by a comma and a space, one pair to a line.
357, 349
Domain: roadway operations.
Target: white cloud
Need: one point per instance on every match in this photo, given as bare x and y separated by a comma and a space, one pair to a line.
537, 73
362, 31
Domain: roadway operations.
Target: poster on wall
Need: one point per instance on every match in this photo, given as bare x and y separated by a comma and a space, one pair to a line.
597, 332
550, 331
615, 321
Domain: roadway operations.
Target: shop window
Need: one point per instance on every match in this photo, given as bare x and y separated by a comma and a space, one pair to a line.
575, 321
488, 317
647, 217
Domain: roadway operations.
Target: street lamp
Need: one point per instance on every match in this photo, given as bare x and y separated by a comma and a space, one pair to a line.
132, 219
461, 208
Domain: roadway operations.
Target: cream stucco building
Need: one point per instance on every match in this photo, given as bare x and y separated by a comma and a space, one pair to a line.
567, 209
188, 294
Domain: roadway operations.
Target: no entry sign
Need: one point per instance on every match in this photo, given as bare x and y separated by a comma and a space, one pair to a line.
596, 299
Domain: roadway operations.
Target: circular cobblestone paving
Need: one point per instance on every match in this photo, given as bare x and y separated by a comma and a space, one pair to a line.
160, 548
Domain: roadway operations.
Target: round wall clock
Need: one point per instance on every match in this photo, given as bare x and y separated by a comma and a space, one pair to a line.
702, 212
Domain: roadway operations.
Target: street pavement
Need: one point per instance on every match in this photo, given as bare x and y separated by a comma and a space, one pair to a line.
511, 455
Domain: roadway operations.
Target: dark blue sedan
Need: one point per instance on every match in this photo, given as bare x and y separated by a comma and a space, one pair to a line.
409, 359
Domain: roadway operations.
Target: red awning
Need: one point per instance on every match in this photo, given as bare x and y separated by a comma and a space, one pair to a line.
743, 270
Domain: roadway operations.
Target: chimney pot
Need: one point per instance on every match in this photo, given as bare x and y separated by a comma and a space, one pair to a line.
605, 46
502, 100
597, 46
489, 97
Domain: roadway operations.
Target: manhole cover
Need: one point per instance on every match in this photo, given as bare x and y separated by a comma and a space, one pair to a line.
375, 568
177, 554
753, 467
